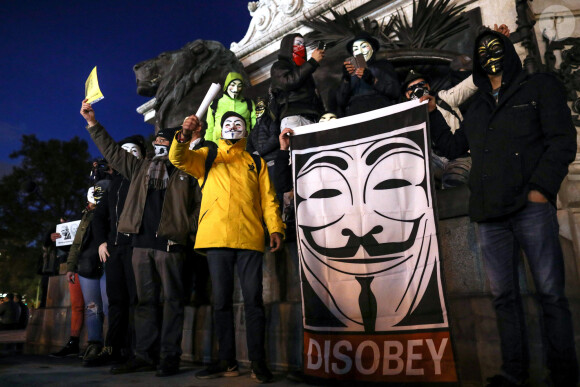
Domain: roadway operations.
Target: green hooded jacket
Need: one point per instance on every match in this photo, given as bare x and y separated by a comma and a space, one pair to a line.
226, 104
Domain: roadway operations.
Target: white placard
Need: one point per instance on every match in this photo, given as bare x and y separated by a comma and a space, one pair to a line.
67, 233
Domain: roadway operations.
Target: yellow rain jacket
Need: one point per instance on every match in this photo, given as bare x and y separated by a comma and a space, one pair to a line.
235, 197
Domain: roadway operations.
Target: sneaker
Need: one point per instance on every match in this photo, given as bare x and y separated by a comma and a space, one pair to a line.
133, 365
502, 381
168, 366
218, 369
70, 349
104, 357
260, 372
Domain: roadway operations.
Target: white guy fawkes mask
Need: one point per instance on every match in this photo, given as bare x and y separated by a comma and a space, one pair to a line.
234, 128
235, 88
362, 47
133, 149
327, 117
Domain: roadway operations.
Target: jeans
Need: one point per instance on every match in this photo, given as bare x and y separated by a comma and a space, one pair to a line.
156, 270
294, 122
96, 305
535, 229
221, 267
122, 298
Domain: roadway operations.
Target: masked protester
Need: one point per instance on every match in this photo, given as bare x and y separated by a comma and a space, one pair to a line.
232, 100
238, 199
83, 259
448, 173
366, 86
263, 140
158, 214
522, 140
116, 251
295, 99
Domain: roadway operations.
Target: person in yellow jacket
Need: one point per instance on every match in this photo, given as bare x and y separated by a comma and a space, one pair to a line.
237, 197
232, 100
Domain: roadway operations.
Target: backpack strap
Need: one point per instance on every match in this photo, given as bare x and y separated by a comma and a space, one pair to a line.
211, 156
257, 161
213, 107
446, 106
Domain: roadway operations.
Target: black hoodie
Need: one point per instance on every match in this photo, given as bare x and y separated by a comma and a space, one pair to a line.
523, 142
293, 86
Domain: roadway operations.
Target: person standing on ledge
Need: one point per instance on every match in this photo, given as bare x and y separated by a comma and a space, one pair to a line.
522, 139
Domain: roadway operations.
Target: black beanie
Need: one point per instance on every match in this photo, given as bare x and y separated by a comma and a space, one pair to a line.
137, 140
167, 133
229, 114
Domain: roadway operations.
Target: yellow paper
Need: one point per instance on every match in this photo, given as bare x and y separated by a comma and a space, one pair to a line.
92, 91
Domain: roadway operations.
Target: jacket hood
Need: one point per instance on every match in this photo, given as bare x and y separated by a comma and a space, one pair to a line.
512, 65
231, 77
286, 46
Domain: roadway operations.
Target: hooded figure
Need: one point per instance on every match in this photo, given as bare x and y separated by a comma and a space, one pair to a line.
374, 87
232, 100
522, 140
292, 83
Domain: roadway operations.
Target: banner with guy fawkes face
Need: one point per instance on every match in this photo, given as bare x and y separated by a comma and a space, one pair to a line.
371, 278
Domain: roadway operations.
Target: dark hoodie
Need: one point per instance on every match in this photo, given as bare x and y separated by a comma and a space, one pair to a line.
293, 86
523, 142
377, 88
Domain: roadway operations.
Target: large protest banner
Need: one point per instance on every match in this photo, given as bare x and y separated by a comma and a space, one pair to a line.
372, 292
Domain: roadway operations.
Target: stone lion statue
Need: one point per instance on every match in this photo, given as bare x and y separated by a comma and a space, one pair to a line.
180, 79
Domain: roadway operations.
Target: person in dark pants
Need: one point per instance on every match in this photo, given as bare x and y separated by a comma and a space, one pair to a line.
116, 250
158, 212
237, 198
522, 139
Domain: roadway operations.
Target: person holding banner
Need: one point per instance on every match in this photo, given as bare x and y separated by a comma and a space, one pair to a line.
237, 198
158, 211
522, 139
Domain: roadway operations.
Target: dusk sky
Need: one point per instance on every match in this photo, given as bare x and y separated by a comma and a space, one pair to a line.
49, 47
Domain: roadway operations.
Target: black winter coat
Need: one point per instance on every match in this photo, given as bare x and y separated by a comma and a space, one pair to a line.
264, 138
524, 142
109, 210
379, 87
293, 86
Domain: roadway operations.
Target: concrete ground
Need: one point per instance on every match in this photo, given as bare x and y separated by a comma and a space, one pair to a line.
35, 370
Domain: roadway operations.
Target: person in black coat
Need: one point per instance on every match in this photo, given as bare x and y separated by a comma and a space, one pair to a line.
116, 250
522, 139
366, 88
295, 96
263, 139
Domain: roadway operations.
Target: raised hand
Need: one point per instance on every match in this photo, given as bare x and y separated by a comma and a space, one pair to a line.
88, 113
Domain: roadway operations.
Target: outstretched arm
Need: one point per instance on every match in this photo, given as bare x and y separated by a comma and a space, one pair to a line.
122, 161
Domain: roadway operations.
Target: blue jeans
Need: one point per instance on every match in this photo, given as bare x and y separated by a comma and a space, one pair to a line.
221, 267
535, 230
96, 305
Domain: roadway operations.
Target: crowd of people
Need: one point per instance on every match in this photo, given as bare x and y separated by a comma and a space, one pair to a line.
14, 314
212, 188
